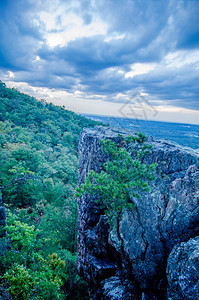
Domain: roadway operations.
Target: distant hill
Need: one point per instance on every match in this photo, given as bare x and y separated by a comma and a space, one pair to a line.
34, 134
39, 116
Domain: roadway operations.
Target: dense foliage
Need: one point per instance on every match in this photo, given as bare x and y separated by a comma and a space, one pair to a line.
123, 177
38, 177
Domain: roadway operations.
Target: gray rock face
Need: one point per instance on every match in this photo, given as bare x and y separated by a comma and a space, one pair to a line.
183, 271
137, 249
115, 289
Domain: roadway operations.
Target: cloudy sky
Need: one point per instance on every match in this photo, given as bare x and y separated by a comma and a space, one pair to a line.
133, 58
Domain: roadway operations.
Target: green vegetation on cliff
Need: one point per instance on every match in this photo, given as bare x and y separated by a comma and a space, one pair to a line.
123, 177
38, 177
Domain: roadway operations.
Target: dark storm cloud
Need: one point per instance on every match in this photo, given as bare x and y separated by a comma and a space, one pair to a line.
19, 35
187, 25
137, 32
178, 88
134, 17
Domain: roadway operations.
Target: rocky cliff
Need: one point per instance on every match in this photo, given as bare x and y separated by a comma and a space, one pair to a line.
153, 252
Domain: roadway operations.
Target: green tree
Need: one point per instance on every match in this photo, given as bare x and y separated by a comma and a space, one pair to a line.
38, 178
122, 178
29, 273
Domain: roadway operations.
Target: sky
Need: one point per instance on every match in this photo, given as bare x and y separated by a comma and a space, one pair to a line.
129, 58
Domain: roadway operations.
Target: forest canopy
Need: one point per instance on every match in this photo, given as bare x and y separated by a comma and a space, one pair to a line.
38, 178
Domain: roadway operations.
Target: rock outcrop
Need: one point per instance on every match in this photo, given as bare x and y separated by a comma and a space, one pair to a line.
183, 270
129, 261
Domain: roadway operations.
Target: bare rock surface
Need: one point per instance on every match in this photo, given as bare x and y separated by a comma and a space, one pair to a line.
183, 271
137, 249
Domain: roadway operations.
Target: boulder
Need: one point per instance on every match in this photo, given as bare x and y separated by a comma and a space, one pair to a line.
183, 271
